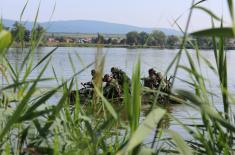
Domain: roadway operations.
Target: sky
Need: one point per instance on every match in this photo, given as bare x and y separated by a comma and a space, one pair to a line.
142, 13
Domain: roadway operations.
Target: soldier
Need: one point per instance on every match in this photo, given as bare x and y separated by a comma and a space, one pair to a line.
90, 83
151, 80
120, 76
161, 81
111, 89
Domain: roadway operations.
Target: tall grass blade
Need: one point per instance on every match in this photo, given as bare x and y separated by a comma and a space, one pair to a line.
136, 95
215, 32
195, 100
56, 145
231, 9
145, 129
106, 103
18, 84
208, 12
182, 147
44, 58
21, 107
54, 114
23, 10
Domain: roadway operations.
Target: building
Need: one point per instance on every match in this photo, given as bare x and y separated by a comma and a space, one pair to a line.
69, 40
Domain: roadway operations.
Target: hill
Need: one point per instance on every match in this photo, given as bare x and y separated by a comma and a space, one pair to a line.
90, 27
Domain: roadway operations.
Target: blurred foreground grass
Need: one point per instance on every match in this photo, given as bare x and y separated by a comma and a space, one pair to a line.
30, 125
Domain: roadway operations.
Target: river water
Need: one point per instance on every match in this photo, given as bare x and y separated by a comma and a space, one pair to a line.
125, 60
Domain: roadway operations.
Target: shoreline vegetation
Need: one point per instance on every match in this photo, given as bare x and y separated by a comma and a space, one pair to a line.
16, 45
134, 40
32, 122
88, 45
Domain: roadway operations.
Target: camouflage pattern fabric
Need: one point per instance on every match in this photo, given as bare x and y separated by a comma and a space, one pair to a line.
111, 89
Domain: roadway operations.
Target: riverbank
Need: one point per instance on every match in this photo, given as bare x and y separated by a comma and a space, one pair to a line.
18, 45
62, 44
99, 45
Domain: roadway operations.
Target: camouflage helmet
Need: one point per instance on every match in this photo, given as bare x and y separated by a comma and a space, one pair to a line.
106, 76
152, 71
93, 72
114, 69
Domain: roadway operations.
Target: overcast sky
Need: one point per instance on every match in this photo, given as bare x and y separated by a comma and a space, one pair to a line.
143, 13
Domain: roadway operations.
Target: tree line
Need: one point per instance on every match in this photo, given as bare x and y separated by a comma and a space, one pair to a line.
156, 38
133, 38
21, 33
159, 39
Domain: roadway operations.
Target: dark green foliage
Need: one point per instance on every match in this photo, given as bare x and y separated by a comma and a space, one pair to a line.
172, 41
19, 32
142, 38
156, 38
132, 38
159, 38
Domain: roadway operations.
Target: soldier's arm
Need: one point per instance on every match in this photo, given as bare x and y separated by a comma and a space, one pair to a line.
88, 83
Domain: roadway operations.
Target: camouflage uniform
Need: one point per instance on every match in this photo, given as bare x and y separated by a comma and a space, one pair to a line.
161, 80
112, 89
150, 82
90, 83
120, 76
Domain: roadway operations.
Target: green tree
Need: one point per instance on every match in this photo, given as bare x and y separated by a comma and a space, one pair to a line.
151, 41
18, 32
172, 41
26, 35
114, 42
109, 41
39, 31
123, 41
159, 38
142, 38
60, 39
132, 38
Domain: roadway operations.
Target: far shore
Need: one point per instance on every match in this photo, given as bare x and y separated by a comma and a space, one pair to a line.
15, 45
64, 44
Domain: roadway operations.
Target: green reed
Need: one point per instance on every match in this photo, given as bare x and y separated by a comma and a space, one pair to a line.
216, 137
29, 125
